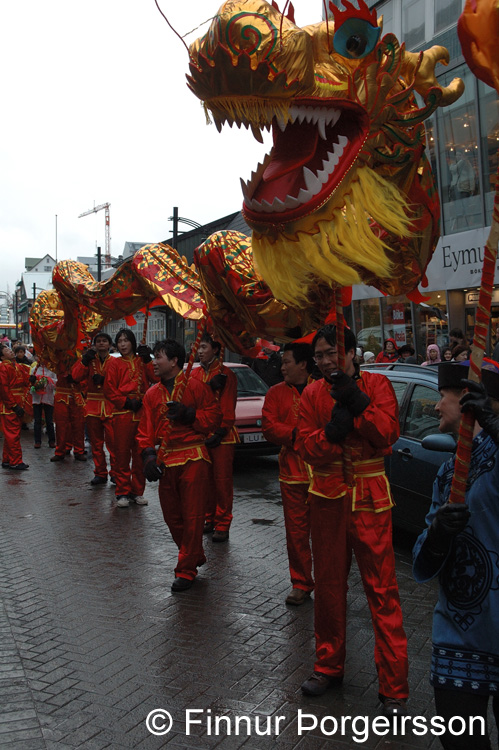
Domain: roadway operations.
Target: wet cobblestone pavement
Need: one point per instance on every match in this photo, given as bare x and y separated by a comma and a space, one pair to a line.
92, 639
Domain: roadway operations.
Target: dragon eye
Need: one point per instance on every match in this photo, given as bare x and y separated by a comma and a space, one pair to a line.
356, 38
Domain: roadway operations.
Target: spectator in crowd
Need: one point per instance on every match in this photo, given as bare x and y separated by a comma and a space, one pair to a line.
389, 352
279, 422
446, 354
42, 381
432, 355
406, 354
369, 358
495, 352
461, 353
347, 423
456, 338
460, 545
268, 363
21, 358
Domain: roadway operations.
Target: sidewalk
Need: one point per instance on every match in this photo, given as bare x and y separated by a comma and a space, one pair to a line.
92, 639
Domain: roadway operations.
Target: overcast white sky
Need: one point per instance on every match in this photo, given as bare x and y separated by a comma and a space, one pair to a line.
95, 109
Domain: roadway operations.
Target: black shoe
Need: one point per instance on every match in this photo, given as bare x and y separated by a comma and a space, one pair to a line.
318, 683
98, 480
80, 457
5, 465
68, 453
182, 584
113, 480
208, 528
57, 458
220, 536
393, 706
19, 467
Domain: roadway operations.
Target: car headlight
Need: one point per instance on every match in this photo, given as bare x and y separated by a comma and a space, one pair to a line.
258, 422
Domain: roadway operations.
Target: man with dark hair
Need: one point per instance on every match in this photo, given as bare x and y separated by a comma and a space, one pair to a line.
460, 545
347, 424
279, 420
14, 381
92, 369
221, 444
178, 415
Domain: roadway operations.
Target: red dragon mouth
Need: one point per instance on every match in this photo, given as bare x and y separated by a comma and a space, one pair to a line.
312, 153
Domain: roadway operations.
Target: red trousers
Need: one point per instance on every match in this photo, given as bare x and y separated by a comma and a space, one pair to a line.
100, 431
336, 531
126, 450
297, 522
69, 428
11, 427
221, 495
182, 494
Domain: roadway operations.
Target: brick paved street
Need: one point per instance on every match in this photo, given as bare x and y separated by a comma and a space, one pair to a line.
92, 639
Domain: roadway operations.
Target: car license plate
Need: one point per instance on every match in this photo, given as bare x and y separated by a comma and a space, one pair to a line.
253, 437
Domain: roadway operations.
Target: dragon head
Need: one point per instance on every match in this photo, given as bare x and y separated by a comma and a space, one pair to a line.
346, 195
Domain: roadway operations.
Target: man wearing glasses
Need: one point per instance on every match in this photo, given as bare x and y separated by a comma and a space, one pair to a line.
347, 423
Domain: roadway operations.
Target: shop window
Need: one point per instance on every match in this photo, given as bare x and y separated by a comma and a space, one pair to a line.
489, 137
397, 321
368, 325
413, 23
431, 324
458, 155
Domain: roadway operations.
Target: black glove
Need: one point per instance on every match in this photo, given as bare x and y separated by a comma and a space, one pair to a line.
144, 353
180, 413
478, 402
88, 356
449, 521
346, 392
340, 425
18, 411
133, 403
217, 437
152, 471
98, 379
69, 378
217, 383
32, 379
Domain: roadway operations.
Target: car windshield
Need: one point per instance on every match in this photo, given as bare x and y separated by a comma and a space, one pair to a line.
249, 383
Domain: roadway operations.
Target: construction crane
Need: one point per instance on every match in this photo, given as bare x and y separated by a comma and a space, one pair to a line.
107, 248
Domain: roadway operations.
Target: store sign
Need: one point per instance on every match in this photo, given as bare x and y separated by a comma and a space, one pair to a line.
398, 317
457, 261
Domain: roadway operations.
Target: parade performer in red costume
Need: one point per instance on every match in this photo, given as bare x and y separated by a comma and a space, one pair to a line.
93, 368
14, 381
347, 423
125, 388
279, 420
69, 417
182, 462
221, 444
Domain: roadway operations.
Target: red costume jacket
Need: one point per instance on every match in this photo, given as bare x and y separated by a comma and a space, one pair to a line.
357, 464
227, 399
96, 405
130, 378
279, 418
14, 383
66, 389
181, 443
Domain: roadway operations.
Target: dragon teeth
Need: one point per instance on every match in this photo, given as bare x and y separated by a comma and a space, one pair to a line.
312, 182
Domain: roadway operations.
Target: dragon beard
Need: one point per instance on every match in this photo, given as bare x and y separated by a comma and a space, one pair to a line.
353, 241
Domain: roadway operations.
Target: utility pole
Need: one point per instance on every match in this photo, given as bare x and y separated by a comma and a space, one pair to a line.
175, 227
99, 264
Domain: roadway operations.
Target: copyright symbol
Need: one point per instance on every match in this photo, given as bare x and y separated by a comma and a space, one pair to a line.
159, 722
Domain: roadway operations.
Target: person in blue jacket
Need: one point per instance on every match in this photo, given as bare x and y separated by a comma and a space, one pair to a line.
461, 546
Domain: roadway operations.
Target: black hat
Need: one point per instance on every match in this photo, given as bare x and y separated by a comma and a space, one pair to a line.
450, 375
